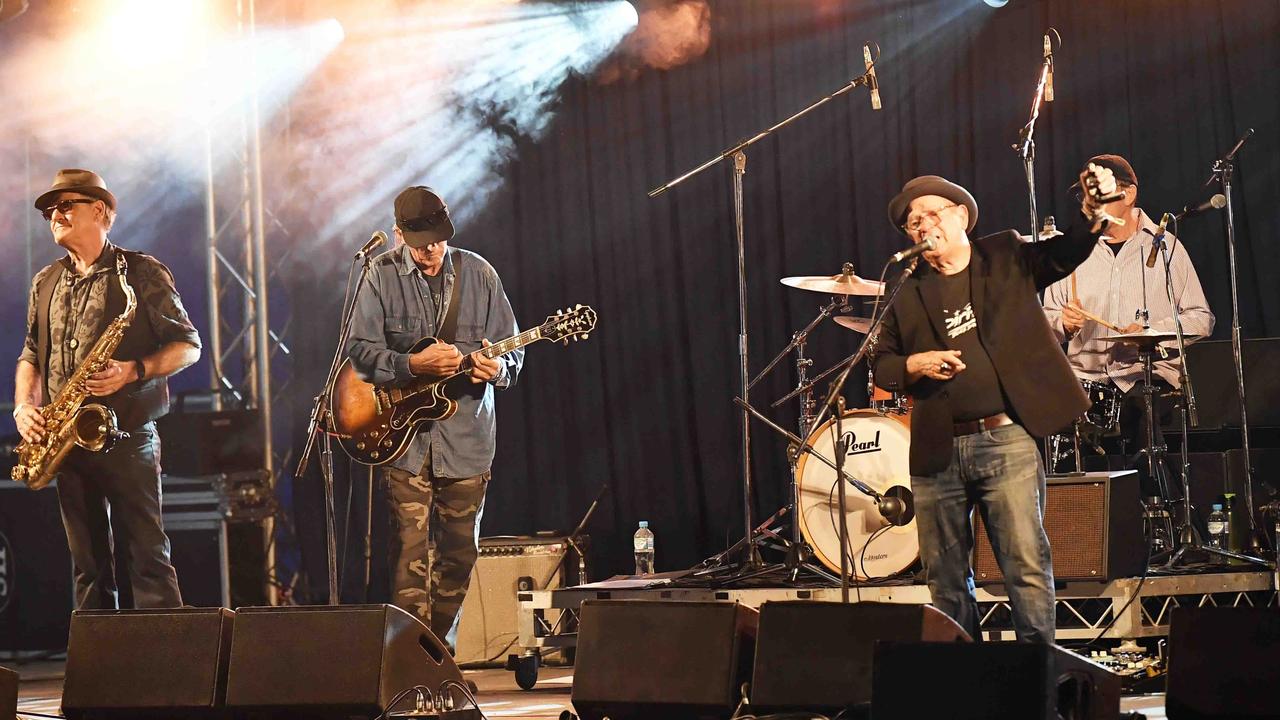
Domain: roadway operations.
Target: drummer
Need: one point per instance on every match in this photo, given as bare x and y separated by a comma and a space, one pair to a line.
1113, 285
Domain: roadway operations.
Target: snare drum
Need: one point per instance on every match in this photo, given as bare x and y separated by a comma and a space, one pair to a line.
877, 457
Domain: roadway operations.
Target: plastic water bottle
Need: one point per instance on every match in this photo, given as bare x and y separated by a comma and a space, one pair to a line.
1217, 527
643, 543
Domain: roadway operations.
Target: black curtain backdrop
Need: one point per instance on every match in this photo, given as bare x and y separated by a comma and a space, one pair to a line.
645, 404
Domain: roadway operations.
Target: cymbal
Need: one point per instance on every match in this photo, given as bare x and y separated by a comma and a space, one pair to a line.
856, 324
1146, 338
842, 284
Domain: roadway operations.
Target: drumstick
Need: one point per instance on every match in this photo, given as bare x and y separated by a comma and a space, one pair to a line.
1100, 321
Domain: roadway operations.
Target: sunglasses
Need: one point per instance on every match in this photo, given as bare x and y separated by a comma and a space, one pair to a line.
64, 207
426, 223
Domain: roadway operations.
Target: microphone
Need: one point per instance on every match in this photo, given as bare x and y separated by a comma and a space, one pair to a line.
1157, 239
1048, 77
872, 81
1217, 202
913, 251
379, 238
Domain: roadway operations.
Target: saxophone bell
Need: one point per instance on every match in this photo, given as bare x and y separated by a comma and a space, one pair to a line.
96, 428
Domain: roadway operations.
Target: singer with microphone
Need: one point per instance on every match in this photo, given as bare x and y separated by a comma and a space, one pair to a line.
420, 288
1123, 276
968, 340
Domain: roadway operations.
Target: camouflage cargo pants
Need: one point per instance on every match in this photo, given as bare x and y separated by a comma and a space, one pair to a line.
438, 526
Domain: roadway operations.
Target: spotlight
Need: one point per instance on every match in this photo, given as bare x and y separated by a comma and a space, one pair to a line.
996, 3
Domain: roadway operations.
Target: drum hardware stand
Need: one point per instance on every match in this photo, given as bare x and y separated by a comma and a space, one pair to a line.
798, 553
739, 156
891, 507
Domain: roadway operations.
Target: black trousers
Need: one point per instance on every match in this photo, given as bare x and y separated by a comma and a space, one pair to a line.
119, 487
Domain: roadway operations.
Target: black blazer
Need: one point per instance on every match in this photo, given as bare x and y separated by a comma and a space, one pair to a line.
1005, 274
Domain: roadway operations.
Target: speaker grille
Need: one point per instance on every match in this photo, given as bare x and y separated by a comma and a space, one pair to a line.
1094, 525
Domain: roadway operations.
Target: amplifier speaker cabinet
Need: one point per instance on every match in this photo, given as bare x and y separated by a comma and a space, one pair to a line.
816, 656
978, 681
507, 565
334, 663
1094, 523
147, 663
36, 588
662, 659
1222, 663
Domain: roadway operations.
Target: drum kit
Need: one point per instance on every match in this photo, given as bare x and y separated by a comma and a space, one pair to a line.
882, 540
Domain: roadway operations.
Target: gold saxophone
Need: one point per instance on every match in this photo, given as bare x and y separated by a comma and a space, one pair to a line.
67, 420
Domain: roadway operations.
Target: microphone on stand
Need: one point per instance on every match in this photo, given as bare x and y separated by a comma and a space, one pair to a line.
914, 250
1217, 202
872, 81
1157, 239
1048, 78
378, 240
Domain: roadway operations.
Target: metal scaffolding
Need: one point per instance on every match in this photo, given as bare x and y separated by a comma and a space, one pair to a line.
241, 345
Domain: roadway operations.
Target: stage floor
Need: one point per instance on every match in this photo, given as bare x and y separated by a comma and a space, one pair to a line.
40, 691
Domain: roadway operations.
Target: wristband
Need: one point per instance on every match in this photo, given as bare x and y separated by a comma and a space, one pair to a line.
142, 370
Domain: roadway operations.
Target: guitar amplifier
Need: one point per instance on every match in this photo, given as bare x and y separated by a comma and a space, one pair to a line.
489, 628
1094, 524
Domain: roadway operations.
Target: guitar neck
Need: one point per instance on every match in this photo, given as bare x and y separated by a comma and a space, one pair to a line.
499, 349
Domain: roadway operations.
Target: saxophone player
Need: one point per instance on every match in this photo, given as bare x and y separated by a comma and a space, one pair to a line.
71, 302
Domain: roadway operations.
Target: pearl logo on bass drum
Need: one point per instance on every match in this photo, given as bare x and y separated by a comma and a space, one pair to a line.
8, 570
861, 448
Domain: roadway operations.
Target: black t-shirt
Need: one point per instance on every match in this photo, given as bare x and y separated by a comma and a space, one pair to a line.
975, 392
436, 284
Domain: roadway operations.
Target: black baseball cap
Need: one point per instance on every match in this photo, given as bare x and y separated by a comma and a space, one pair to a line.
422, 217
1119, 167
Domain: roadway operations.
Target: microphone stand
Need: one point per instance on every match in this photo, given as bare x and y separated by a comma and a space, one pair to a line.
1190, 417
1222, 172
320, 426
739, 155
1026, 145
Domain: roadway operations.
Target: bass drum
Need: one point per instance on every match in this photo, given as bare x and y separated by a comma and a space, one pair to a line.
877, 457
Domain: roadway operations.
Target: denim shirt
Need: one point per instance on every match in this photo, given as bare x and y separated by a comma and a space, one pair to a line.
394, 310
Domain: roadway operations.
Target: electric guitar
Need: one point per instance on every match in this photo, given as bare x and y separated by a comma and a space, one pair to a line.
374, 423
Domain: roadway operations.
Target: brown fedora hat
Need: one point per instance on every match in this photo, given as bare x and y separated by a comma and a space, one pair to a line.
85, 182
930, 185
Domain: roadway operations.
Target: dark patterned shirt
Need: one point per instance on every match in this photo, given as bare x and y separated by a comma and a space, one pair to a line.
78, 304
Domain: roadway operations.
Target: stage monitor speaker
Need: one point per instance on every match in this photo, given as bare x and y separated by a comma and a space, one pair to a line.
8, 694
658, 658
978, 681
147, 663
816, 656
1222, 663
1094, 524
506, 566
332, 662
36, 593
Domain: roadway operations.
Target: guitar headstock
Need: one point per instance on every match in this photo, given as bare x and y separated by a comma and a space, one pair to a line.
576, 323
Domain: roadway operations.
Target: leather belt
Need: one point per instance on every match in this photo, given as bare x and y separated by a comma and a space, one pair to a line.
991, 422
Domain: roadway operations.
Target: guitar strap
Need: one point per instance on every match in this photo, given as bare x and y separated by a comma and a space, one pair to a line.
449, 328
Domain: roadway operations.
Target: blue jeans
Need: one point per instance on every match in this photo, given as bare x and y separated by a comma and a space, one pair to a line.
999, 471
